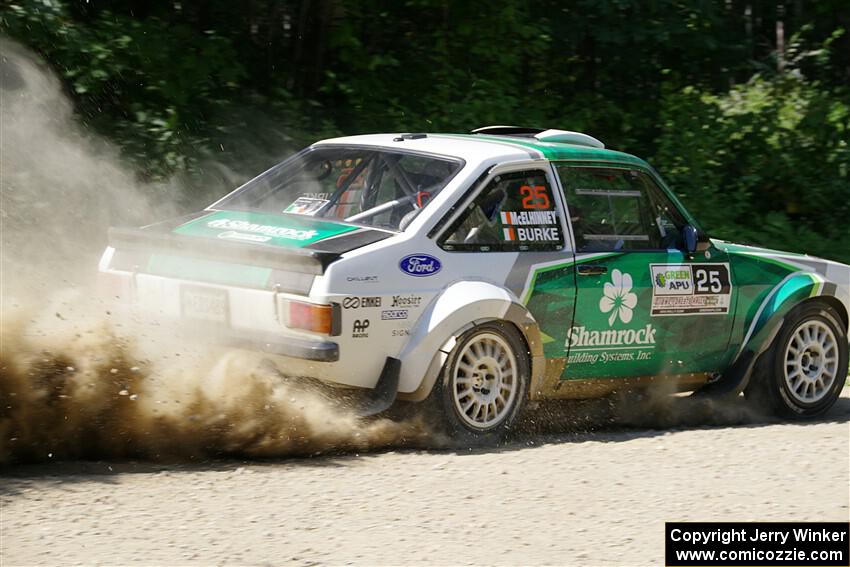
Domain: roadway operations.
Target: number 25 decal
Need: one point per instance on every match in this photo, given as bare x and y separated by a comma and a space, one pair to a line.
535, 197
708, 281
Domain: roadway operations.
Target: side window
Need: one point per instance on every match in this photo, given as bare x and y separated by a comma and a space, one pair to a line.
515, 212
667, 219
618, 209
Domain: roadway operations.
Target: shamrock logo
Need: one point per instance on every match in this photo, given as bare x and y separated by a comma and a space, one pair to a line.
618, 298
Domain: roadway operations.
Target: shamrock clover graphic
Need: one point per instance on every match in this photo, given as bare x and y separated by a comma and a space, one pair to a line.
618, 298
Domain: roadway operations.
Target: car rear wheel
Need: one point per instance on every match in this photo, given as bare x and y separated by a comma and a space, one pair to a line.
484, 383
806, 365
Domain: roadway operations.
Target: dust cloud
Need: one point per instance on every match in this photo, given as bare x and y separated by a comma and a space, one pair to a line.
74, 387
75, 381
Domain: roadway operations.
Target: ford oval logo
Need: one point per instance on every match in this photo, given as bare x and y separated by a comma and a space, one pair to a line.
420, 265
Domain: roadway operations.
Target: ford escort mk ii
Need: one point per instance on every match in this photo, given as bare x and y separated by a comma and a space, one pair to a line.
477, 272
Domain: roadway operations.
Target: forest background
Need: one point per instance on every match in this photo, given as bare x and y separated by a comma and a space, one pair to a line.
742, 106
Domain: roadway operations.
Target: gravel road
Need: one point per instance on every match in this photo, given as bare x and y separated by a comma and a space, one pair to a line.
576, 498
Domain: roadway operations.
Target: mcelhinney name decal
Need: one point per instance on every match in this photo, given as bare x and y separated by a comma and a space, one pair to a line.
530, 226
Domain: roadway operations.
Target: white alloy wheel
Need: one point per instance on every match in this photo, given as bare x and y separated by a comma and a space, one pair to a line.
811, 361
485, 381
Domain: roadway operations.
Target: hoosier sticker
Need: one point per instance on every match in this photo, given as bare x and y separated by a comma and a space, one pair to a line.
690, 289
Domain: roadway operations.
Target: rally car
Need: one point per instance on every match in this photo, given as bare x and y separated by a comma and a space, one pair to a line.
479, 271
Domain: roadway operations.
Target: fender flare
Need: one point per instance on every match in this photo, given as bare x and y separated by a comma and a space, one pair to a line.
460, 307
795, 289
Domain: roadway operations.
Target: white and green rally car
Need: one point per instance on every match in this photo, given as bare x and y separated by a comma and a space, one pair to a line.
481, 271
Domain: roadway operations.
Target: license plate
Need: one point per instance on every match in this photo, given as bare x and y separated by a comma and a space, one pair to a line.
204, 304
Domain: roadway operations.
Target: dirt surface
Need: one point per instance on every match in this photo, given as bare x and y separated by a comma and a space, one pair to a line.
591, 498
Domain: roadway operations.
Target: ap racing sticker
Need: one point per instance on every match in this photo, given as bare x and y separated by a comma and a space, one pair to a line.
690, 289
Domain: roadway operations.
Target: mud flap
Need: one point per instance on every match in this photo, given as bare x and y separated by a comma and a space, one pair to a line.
734, 379
384, 394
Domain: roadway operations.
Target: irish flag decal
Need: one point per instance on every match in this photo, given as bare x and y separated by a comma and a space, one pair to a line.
510, 231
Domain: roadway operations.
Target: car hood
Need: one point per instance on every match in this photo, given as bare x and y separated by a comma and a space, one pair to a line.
793, 258
731, 247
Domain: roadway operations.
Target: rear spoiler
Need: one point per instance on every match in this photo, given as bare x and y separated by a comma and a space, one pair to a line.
304, 260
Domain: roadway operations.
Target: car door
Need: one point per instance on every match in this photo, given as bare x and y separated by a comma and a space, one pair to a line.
644, 307
516, 227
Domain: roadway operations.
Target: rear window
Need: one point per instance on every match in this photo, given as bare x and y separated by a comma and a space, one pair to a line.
367, 186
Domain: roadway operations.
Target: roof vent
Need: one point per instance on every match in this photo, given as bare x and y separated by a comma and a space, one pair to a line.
403, 137
542, 134
565, 137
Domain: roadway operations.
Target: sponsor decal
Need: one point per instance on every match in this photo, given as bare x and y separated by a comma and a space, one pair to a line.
420, 265
529, 217
357, 302
362, 279
233, 235
360, 329
690, 289
672, 280
515, 226
582, 337
394, 314
406, 301
536, 234
618, 301
264, 229
305, 206
285, 231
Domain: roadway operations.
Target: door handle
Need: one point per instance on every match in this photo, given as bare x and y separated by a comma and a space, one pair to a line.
592, 270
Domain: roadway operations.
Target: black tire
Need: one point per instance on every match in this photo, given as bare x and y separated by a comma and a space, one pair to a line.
446, 397
779, 367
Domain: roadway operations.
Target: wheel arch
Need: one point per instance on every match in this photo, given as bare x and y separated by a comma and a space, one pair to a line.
828, 300
448, 317
799, 288
836, 304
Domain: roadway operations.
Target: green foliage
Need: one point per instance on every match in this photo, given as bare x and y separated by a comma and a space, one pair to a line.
742, 106
767, 162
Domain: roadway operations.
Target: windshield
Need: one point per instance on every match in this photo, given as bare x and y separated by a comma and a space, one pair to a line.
368, 186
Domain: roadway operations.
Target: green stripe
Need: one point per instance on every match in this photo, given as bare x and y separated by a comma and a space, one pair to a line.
537, 271
818, 281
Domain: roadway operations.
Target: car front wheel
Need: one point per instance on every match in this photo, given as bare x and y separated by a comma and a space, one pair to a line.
484, 383
807, 364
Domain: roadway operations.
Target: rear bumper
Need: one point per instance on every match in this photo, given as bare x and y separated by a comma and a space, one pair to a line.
317, 351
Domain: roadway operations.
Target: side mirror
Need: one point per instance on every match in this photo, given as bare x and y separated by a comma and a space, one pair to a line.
694, 240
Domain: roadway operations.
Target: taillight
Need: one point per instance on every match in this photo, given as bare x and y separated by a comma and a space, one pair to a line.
310, 317
115, 286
